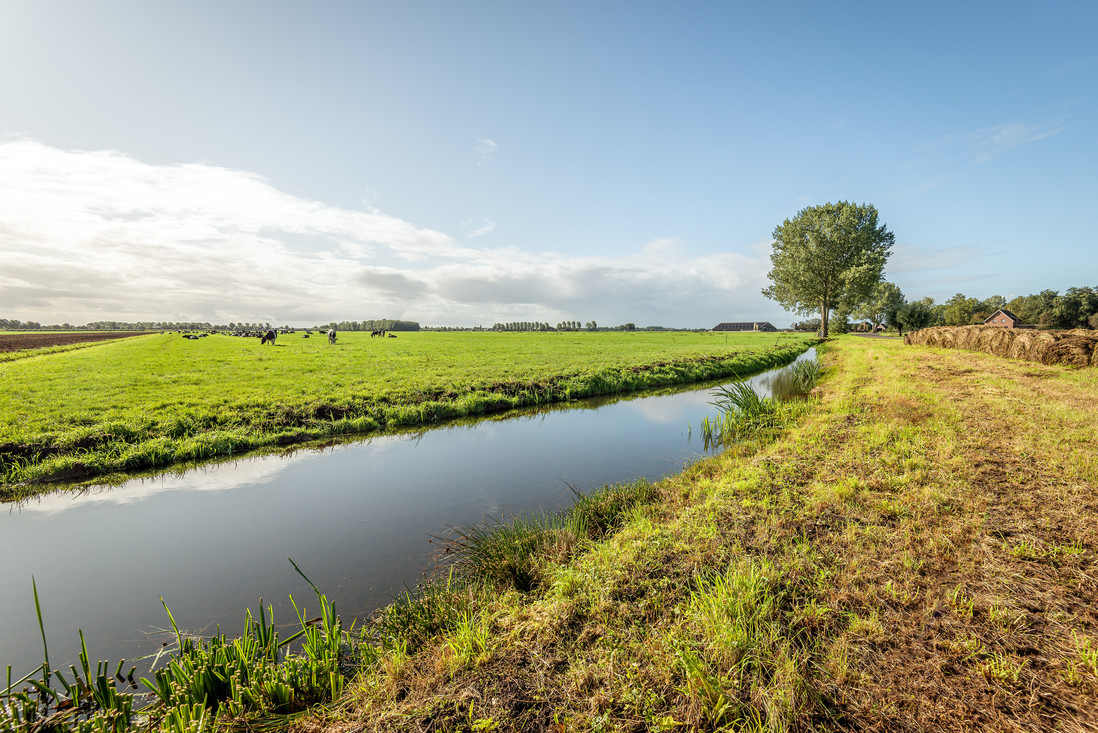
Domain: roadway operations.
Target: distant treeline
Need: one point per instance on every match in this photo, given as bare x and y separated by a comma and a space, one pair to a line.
566, 326
1076, 307
382, 324
8, 324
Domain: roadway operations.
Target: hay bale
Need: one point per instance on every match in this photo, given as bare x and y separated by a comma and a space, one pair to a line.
1078, 347
1072, 350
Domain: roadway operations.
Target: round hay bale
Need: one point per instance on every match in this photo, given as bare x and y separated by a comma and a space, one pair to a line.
1022, 345
1072, 351
1005, 340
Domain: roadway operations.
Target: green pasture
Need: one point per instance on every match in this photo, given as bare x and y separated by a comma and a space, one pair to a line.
159, 399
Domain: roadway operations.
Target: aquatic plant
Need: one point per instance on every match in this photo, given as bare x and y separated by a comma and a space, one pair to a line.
806, 373
202, 681
417, 615
502, 553
742, 412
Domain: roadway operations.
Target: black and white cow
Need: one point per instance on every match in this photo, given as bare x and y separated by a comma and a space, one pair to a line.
268, 337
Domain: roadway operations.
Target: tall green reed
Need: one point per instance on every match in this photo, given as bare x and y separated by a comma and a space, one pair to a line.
806, 374
202, 681
742, 412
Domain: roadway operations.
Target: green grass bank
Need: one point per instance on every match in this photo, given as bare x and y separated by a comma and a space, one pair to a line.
157, 400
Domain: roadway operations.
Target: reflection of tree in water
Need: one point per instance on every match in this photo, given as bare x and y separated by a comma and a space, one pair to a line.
779, 385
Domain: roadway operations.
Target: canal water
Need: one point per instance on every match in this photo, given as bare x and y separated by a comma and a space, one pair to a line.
356, 516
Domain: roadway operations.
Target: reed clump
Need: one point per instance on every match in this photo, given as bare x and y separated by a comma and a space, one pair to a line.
203, 684
806, 373
744, 413
1078, 347
512, 555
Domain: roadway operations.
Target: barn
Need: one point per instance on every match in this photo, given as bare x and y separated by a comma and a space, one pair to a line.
1003, 319
746, 326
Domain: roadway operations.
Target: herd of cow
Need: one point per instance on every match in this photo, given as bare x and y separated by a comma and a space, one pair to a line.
268, 336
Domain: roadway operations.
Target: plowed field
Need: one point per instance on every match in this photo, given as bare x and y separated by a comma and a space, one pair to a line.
21, 341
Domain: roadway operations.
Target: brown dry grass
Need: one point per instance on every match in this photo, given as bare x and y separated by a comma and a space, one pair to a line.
923, 550
1078, 347
982, 631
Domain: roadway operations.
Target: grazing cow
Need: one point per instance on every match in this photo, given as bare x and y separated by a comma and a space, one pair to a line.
269, 336
331, 336
304, 335
392, 335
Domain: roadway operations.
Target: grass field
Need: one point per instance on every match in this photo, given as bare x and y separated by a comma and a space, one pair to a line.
161, 399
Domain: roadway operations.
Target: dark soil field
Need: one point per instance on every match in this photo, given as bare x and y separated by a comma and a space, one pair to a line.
23, 341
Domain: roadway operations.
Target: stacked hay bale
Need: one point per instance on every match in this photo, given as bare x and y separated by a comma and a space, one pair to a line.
1072, 348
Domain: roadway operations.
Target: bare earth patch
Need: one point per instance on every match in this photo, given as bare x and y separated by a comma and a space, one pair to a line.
24, 341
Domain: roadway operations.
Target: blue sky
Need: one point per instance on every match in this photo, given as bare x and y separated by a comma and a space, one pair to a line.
463, 163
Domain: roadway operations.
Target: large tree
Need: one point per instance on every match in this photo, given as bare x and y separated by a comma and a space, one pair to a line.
913, 316
827, 255
885, 298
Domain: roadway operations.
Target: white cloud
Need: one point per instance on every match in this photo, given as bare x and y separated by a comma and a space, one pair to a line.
993, 141
486, 148
88, 236
990, 142
478, 227
913, 258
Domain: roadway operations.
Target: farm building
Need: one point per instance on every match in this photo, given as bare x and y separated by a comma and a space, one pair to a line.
1004, 319
745, 326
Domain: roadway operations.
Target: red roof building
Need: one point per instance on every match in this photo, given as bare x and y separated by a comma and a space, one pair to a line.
1003, 319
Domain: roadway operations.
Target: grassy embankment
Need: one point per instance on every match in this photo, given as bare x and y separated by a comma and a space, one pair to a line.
157, 400
916, 552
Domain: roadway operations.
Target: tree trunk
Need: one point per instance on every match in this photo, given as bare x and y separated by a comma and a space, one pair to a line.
823, 319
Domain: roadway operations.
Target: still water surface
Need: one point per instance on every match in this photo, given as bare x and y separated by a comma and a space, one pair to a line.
356, 517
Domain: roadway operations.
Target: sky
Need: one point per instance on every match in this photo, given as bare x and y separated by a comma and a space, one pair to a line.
467, 163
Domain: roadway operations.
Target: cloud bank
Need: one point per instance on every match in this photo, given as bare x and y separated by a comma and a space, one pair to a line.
99, 235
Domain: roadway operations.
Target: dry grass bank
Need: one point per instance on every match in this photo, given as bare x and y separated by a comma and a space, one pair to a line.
918, 553
1078, 347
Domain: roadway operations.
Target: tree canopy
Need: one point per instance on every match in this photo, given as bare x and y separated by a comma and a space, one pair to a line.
826, 256
884, 299
913, 316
